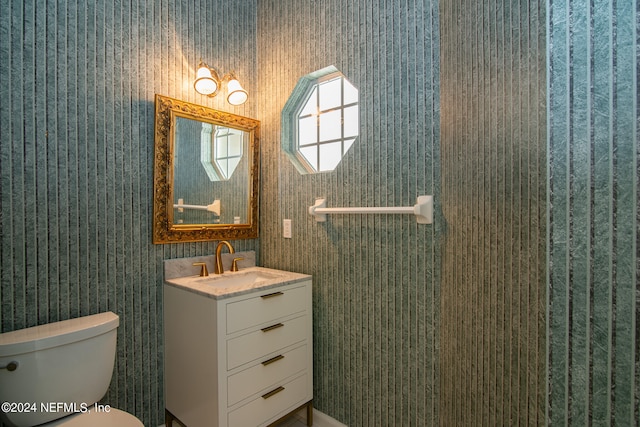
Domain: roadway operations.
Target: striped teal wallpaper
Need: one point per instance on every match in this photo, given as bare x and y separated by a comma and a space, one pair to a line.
493, 143
376, 299
447, 324
594, 214
77, 83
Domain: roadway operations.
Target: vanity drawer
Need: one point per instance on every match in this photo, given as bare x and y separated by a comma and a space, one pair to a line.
268, 372
287, 396
270, 339
269, 305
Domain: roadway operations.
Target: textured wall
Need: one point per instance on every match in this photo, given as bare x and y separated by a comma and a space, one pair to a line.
594, 299
77, 81
376, 301
493, 140
76, 141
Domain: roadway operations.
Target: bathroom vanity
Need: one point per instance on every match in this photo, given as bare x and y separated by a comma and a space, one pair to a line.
238, 347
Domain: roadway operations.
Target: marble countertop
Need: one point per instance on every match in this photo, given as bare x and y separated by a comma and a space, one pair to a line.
210, 286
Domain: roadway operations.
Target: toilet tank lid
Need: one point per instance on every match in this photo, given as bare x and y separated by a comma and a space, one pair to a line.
57, 333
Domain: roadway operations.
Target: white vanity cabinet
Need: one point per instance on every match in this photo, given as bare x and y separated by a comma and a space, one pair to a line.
242, 360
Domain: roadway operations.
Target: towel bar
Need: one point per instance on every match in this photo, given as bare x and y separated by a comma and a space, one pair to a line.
423, 210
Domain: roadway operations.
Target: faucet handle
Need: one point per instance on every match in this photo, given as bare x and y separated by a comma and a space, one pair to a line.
234, 264
203, 268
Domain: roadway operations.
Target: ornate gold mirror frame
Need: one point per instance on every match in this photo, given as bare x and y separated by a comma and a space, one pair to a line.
165, 229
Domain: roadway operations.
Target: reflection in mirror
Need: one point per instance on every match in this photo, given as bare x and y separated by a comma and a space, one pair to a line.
221, 150
228, 147
205, 158
206, 173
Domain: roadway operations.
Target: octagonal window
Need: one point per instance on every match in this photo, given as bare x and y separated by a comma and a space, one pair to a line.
320, 121
221, 150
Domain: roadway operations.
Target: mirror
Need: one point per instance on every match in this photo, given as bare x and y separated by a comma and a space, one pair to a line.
206, 173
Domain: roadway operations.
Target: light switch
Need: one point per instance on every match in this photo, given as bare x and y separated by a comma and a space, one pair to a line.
286, 228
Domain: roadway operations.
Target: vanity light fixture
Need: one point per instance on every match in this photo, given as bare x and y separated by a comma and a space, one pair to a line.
208, 83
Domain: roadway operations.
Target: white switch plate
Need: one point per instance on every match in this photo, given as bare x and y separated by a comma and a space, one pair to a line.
286, 228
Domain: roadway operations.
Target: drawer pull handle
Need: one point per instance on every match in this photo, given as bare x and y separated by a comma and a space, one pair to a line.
272, 327
272, 392
273, 359
275, 294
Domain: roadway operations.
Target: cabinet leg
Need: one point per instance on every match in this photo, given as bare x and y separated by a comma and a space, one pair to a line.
309, 414
168, 418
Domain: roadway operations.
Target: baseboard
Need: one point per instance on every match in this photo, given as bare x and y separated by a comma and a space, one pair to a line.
320, 419
326, 420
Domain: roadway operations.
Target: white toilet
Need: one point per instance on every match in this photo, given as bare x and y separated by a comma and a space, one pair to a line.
53, 375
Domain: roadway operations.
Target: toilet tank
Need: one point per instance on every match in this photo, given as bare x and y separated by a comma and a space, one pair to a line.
62, 367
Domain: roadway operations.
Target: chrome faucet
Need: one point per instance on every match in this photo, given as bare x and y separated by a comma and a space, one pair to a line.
219, 269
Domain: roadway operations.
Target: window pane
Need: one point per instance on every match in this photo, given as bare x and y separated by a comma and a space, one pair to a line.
350, 93
351, 121
311, 155
330, 125
235, 145
223, 167
307, 130
330, 94
221, 147
330, 156
232, 164
347, 144
311, 107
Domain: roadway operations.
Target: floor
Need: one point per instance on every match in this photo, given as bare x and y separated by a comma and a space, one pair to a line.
300, 420
294, 422
297, 420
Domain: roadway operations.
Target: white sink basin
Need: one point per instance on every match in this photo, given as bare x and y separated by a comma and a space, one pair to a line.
229, 280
